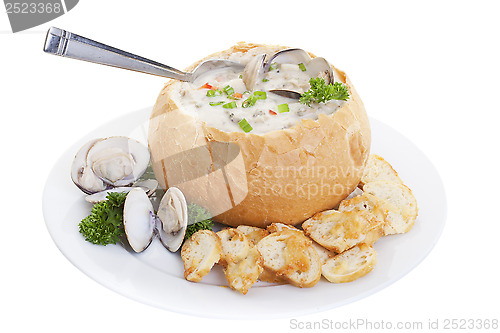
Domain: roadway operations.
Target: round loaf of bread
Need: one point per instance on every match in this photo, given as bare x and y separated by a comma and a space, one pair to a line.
285, 175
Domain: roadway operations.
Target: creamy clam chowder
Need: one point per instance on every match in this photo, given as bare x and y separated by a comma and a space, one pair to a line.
221, 100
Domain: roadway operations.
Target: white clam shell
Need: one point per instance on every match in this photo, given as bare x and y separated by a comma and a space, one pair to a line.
172, 213
82, 175
118, 160
138, 219
253, 70
110, 162
260, 65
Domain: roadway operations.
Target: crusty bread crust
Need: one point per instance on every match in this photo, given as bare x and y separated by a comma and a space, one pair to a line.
282, 176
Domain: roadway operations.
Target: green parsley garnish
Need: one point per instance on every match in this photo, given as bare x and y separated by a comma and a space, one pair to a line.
320, 92
104, 225
198, 219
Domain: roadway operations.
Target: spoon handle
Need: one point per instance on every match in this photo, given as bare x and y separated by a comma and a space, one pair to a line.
66, 44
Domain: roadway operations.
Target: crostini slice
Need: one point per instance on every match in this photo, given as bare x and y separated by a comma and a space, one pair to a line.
199, 253
350, 265
290, 255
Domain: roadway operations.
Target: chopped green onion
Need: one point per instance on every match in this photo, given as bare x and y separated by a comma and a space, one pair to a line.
241, 76
215, 103
283, 108
260, 94
228, 90
250, 101
302, 67
265, 80
213, 93
230, 105
273, 66
245, 126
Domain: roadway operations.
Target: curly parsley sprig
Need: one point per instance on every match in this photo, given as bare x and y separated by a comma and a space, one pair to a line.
320, 92
200, 219
104, 225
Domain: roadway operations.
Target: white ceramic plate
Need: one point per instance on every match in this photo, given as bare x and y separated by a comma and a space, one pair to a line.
155, 276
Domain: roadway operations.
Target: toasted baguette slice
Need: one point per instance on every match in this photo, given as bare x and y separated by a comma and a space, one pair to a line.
324, 254
339, 231
268, 275
199, 253
290, 255
243, 274
379, 169
253, 234
383, 210
399, 196
235, 245
275, 227
271, 276
350, 265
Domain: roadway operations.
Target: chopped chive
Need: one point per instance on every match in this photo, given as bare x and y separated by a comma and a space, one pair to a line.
241, 76
228, 90
302, 67
250, 101
283, 108
230, 105
215, 103
260, 94
273, 66
213, 93
245, 126
265, 80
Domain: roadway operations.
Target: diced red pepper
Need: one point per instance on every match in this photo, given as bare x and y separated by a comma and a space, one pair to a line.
237, 95
272, 112
206, 86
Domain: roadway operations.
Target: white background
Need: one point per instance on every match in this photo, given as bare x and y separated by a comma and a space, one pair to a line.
429, 69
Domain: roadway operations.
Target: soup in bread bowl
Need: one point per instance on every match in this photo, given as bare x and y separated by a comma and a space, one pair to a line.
253, 157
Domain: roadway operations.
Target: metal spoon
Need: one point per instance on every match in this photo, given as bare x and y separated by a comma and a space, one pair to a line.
66, 44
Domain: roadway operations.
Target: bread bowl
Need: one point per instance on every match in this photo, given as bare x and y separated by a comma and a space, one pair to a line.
258, 178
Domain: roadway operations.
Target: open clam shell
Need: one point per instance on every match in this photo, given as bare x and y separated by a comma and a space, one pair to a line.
141, 224
173, 216
261, 64
102, 164
253, 70
118, 160
139, 220
82, 175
